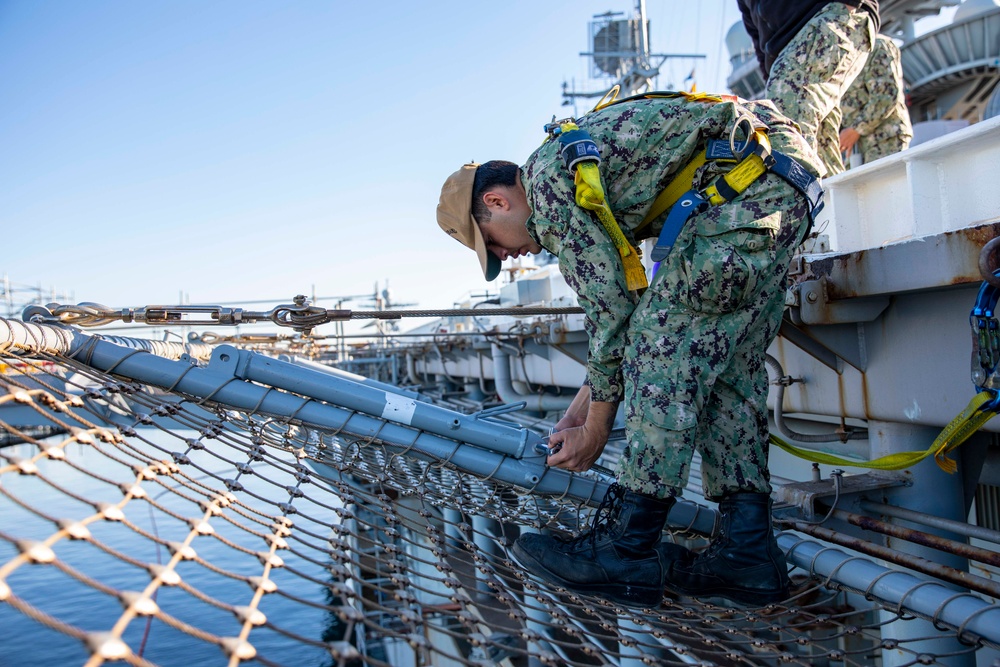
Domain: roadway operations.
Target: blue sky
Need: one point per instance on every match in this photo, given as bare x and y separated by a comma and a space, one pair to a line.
244, 150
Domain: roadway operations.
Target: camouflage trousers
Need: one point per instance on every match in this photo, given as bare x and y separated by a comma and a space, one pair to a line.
815, 69
694, 368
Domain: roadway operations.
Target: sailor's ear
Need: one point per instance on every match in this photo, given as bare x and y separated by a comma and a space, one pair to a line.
496, 199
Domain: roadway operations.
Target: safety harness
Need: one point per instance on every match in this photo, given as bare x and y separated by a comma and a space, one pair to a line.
753, 157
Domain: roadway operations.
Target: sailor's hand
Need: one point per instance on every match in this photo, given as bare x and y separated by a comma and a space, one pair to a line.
576, 449
848, 137
576, 415
569, 421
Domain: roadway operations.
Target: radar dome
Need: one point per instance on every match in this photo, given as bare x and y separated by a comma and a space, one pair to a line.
738, 40
971, 8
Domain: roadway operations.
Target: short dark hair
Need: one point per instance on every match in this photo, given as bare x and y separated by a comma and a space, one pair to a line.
489, 175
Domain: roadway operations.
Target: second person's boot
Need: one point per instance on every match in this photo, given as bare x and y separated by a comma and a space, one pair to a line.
616, 559
743, 563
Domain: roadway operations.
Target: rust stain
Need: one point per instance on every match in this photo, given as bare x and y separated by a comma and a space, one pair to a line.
980, 235
923, 539
967, 240
841, 395
864, 395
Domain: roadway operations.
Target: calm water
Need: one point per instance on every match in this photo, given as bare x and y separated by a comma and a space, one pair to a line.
27, 642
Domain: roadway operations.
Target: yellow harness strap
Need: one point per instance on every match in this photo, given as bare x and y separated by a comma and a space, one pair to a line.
747, 170
611, 97
680, 184
590, 195
736, 180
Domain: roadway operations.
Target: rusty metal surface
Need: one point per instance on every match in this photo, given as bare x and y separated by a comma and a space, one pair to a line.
915, 563
930, 262
919, 537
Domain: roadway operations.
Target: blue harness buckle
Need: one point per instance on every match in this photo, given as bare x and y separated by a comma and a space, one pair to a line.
690, 203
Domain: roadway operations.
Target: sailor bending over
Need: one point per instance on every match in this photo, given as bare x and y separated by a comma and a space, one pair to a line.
685, 354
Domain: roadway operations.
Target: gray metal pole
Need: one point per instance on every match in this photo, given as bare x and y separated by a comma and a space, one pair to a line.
505, 387
347, 375
927, 598
374, 401
894, 587
946, 502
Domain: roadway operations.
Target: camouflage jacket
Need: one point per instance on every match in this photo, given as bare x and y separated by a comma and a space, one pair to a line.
876, 98
643, 145
772, 24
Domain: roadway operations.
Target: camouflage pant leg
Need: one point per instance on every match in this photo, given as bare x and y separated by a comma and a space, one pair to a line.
693, 366
813, 72
733, 434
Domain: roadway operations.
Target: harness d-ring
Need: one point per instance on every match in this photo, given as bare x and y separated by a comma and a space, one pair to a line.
743, 118
609, 98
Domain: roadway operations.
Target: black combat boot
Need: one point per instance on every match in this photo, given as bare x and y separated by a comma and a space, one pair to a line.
616, 559
743, 563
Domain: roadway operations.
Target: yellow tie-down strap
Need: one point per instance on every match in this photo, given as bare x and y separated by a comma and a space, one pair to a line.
954, 434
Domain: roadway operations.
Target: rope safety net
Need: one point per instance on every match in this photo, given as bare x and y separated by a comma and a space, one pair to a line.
146, 526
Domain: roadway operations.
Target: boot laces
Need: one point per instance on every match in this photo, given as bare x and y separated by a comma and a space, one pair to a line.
605, 516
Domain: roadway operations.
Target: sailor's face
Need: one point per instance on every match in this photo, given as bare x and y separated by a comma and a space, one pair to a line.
506, 236
505, 233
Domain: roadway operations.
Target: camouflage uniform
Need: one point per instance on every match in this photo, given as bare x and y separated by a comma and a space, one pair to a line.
875, 105
812, 73
688, 355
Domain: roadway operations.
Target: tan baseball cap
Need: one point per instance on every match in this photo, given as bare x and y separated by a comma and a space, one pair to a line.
454, 216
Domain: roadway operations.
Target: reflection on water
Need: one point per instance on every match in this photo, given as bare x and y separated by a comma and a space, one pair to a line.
117, 557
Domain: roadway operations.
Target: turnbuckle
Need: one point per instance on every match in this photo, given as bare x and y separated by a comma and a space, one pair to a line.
191, 315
